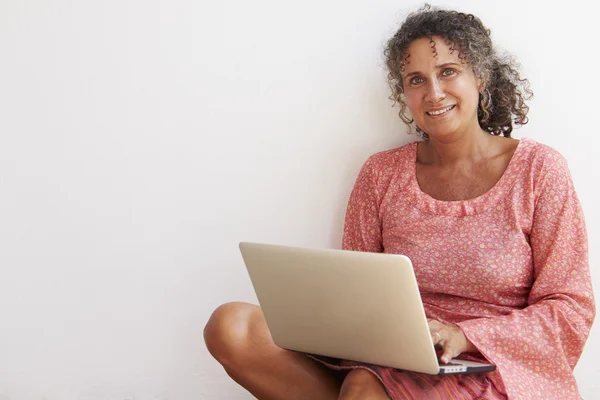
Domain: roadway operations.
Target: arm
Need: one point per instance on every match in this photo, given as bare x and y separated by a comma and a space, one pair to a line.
538, 346
362, 227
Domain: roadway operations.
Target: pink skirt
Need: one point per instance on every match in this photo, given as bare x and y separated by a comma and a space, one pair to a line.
407, 385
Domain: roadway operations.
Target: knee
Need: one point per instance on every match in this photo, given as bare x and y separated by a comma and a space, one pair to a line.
362, 384
226, 333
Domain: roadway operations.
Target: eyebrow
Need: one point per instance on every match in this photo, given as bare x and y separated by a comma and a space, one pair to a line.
437, 66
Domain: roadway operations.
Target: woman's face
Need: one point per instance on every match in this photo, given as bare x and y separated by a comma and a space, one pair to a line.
441, 91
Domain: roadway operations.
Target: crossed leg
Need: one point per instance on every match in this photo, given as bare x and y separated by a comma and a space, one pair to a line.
238, 338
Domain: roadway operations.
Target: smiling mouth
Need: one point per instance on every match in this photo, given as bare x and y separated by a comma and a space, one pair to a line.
437, 113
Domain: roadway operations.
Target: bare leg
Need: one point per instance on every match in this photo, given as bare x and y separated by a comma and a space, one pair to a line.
237, 337
361, 384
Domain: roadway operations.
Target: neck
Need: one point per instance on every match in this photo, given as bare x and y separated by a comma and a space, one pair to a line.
445, 152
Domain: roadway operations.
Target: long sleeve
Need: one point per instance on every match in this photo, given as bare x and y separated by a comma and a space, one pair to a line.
536, 348
510, 267
362, 227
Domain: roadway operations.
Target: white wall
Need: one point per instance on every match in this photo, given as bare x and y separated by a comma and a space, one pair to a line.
141, 140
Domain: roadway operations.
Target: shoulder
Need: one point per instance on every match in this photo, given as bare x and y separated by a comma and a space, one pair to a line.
389, 161
546, 167
543, 157
385, 167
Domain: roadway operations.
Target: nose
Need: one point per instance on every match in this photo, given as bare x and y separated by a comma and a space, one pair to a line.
435, 92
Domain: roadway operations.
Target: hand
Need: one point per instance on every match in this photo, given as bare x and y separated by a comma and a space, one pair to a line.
450, 338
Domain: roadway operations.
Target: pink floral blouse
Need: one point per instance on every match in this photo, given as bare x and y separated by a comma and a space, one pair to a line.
510, 267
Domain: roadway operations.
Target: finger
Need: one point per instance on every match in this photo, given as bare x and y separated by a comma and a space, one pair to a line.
448, 346
434, 325
448, 354
436, 338
443, 333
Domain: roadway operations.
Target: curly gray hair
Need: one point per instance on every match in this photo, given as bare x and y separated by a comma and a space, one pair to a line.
502, 97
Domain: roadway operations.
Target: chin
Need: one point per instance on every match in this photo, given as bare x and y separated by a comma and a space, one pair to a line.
440, 133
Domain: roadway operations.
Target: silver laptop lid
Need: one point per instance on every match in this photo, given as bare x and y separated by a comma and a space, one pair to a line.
344, 304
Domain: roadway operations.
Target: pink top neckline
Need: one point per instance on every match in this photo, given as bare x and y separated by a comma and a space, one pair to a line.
472, 206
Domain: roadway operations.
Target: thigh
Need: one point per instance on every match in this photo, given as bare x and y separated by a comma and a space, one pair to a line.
240, 340
360, 383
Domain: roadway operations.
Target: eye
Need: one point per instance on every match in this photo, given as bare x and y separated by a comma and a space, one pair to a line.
448, 72
416, 80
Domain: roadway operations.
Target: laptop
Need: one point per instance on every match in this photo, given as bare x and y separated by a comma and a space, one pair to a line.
346, 304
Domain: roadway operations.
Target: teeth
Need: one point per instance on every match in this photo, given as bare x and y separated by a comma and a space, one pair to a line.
440, 111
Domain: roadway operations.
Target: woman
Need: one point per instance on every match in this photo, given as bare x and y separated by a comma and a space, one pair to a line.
493, 227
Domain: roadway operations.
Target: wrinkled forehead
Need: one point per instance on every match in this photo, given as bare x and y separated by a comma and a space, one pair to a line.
429, 51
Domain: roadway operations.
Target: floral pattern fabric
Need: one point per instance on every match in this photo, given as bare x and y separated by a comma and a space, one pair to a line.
509, 267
